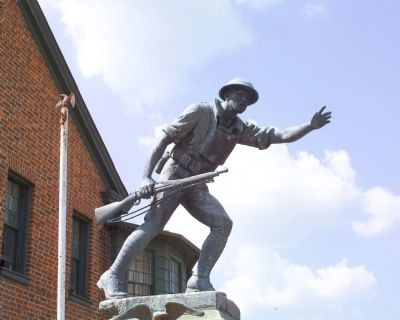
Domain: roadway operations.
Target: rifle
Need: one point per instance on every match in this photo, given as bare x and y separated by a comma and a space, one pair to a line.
110, 210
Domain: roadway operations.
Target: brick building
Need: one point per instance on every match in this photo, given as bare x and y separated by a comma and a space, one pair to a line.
32, 74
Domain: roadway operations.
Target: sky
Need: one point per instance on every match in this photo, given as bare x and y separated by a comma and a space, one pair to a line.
316, 222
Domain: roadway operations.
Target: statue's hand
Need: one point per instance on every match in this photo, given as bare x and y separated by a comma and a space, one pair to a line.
147, 187
320, 118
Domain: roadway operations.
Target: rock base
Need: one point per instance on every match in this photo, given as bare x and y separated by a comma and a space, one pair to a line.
215, 305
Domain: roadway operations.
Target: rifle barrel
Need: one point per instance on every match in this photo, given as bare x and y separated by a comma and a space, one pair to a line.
110, 210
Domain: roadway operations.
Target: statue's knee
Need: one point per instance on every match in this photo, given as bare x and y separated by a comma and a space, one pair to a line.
152, 229
227, 226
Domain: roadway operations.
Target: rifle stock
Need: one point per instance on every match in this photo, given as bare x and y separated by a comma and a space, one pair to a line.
108, 211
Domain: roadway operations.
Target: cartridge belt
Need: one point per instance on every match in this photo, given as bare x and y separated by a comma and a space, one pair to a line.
189, 162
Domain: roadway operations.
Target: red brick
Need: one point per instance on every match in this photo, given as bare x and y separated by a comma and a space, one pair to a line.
29, 146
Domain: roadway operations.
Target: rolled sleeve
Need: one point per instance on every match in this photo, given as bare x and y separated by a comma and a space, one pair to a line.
256, 136
184, 124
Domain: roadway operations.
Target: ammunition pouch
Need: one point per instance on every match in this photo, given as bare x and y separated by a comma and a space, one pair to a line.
189, 162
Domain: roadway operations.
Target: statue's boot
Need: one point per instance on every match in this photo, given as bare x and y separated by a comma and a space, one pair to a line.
198, 283
136, 242
210, 252
109, 282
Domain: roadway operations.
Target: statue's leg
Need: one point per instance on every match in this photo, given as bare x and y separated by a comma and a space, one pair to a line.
155, 221
207, 209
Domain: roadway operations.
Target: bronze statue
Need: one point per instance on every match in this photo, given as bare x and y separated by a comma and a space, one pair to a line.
204, 135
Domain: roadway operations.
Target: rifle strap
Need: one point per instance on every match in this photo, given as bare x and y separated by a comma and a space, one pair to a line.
140, 211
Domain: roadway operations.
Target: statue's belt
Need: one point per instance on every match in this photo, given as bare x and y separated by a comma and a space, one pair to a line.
189, 162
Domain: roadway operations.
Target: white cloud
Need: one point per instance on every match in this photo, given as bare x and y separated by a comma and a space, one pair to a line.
383, 209
149, 141
275, 283
146, 51
258, 4
282, 196
356, 313
316, 10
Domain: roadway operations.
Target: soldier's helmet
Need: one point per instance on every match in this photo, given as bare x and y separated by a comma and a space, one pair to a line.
242, 84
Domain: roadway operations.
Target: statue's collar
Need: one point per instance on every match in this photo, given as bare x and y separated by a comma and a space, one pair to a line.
236, 123
217, 108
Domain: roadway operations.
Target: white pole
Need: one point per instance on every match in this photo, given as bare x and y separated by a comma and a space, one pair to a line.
62, 217
62, 203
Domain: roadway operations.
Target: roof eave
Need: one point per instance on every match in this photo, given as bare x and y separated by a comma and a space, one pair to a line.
62, 75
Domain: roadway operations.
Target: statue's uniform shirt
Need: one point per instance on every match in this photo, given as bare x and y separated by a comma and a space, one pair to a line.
202, 143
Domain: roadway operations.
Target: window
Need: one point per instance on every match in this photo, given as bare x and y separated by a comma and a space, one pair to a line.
79, 256
15, 225
174, 276
140, 274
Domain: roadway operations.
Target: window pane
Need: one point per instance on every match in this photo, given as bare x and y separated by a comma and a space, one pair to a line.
9, 187
76, 240
130, 275
139, 276
14, 231
79, 259
15, 191
13, 200
74, 275
14, 205
9, 248
130, 287
147, 278
146, 290
8, 201
138, 290
10, 218
175, 276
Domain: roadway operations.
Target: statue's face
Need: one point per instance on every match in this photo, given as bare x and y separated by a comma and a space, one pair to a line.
237, 100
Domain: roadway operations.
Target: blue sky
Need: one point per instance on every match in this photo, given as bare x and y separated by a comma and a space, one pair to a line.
316, 223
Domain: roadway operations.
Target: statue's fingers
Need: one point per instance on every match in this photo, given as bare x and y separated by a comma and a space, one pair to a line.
146, 192
322, 110
147, 195
153, 188
143, 193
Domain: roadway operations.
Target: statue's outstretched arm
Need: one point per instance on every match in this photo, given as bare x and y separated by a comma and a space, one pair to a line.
291, 134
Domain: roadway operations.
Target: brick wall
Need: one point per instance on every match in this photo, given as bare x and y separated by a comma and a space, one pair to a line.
29, 146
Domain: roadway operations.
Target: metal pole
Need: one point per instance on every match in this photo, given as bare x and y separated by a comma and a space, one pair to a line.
62, 203
62, 217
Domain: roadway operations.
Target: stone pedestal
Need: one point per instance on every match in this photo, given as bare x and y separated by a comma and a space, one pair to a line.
215, 305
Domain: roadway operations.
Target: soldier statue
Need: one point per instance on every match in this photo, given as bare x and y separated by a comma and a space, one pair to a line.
204, 135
